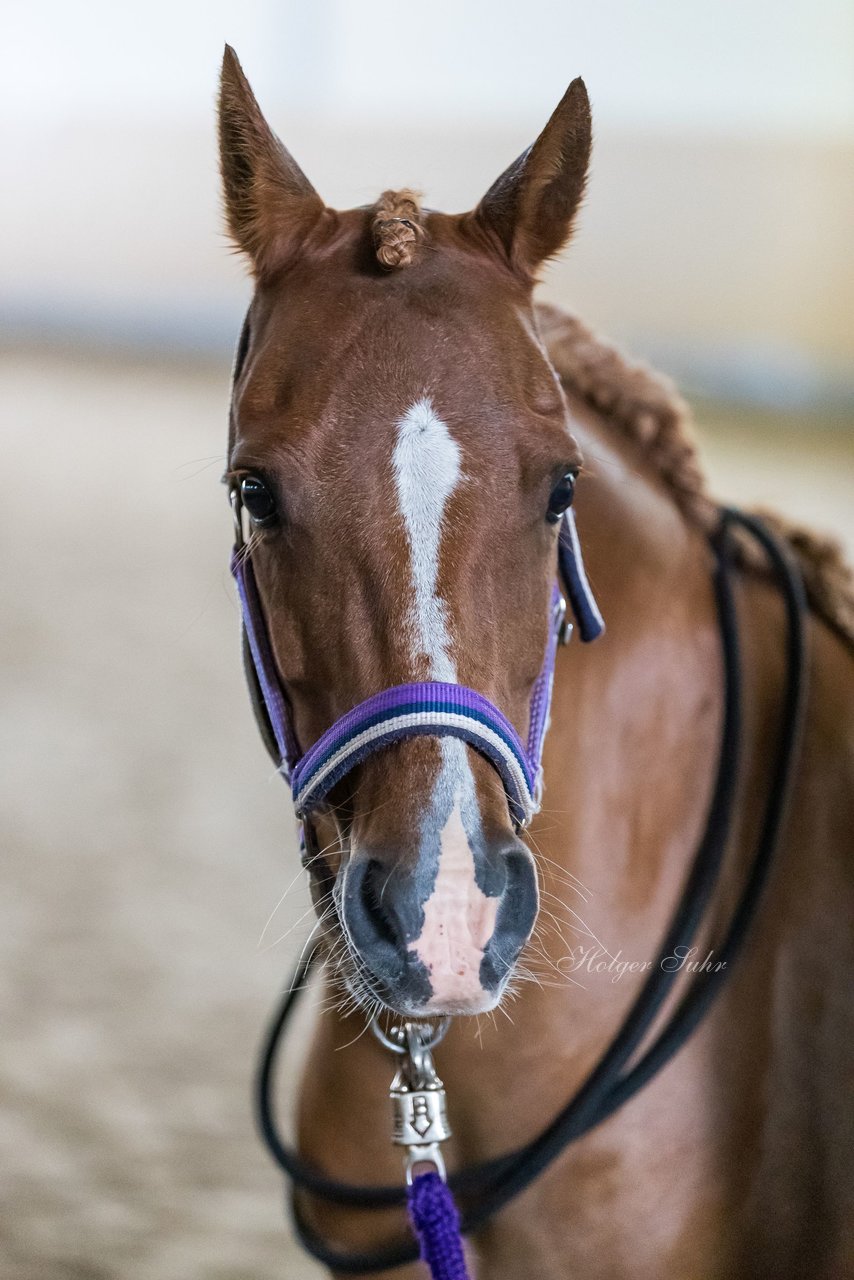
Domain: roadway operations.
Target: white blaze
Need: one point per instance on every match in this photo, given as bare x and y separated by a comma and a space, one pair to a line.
426, 472
459, 918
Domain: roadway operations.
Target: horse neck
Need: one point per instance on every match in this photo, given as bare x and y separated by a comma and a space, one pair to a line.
631, 751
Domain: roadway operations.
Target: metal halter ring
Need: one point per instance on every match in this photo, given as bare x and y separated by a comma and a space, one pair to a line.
398, 1040
562, 624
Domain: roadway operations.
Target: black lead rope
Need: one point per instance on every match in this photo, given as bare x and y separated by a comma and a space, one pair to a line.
486, 1187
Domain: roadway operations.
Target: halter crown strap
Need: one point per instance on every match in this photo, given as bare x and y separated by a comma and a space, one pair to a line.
431, 708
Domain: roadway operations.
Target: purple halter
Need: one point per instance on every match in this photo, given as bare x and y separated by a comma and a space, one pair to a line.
408, 710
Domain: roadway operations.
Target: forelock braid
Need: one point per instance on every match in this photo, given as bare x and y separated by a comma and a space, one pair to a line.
396, 228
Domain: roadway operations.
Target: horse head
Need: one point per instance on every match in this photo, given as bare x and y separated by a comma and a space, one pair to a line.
402, 458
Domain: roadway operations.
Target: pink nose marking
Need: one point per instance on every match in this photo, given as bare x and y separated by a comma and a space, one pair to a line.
459, 920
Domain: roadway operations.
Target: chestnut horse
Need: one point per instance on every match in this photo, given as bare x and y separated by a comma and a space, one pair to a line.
406, 431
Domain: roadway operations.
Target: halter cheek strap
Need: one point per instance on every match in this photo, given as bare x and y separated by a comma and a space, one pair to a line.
590, 621
432, 708
268, 694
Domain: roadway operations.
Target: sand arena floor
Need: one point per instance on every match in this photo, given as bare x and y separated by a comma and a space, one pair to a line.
144, 840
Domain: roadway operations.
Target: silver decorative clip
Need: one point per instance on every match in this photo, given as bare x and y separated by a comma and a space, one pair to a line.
419, 1115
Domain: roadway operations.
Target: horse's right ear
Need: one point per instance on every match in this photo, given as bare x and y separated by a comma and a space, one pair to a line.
269, 202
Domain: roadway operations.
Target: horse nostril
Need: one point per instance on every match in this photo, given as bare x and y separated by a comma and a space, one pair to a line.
374, 881
516, 916
371, 914
377, 909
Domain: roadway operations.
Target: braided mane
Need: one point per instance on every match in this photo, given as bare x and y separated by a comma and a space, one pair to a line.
648, 410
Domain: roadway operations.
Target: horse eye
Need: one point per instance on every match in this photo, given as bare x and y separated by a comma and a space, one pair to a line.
258, 500
561, 499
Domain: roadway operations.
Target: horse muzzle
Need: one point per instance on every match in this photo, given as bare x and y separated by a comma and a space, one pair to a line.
443, 941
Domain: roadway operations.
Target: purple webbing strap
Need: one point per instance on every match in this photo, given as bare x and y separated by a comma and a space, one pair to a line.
541, 696
436, 1223
275, 699
429, 707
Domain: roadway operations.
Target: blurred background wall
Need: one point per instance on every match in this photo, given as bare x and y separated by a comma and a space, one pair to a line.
715, 238
150, 895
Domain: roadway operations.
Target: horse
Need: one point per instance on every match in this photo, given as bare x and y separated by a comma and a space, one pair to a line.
408, 431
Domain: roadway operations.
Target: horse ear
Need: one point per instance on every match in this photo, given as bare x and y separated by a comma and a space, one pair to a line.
269, 202
530, 209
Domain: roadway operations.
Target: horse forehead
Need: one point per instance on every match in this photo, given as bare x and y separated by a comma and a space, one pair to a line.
412, 449
350, 347
427, 459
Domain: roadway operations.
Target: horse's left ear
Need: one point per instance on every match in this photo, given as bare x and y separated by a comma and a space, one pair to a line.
530, 209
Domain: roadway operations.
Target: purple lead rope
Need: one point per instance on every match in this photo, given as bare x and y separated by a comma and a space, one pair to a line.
436, 1222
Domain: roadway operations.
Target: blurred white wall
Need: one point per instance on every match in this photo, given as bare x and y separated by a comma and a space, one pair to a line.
715, 238
745, 65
